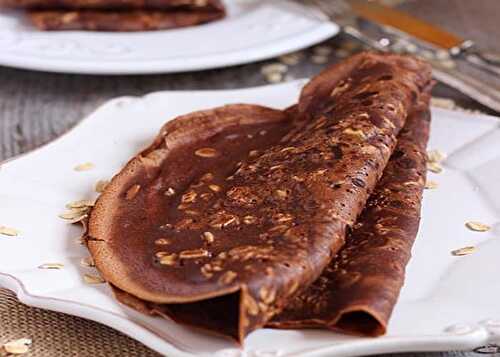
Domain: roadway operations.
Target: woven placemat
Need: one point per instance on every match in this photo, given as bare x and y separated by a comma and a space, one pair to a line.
59, 335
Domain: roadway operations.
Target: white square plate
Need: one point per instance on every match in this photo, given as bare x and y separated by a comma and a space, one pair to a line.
447, 303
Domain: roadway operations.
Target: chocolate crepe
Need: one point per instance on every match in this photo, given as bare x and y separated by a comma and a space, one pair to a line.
357, 292
109, 20
113, 4
270, 222
118, 15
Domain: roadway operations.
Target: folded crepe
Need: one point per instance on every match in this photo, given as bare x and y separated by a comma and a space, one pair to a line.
118, 15
358, 290
113, 4
133, 20
224, 235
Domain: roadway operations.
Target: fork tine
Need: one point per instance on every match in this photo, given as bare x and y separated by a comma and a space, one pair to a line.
332, 8
335, 10
315, 12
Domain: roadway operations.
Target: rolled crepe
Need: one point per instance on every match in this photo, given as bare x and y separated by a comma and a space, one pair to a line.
223, 237
357, 291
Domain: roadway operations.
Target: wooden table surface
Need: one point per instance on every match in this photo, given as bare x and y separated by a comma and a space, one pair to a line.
36, 107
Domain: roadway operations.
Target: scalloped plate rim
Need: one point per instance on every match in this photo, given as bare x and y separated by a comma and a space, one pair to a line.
434, 343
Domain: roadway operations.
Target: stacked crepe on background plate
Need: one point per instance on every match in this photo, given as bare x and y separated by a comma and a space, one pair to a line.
242, 216
118, 15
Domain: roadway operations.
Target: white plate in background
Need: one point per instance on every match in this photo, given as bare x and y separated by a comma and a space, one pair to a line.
253, 30
447, 303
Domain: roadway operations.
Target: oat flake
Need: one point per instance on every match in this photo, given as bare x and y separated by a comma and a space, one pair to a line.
93, 279
435, 156
323, 50
291, 59
319, 59
10, 232
430, 185
168, 259
80, 204
274, 77
84, 167
87, 262
17, 347
273, 68
72, 215
477, 226
206, 152
434, 167
52, 266
463, 251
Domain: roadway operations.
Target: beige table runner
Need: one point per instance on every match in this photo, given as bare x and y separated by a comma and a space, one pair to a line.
60, 335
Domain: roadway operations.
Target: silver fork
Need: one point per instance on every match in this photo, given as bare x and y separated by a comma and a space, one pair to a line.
340, 12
